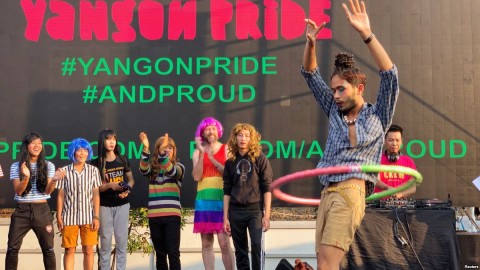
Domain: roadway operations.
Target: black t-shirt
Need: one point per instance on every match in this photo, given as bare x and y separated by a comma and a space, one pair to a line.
115, 171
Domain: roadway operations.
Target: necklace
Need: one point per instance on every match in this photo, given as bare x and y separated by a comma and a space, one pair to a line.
349, 122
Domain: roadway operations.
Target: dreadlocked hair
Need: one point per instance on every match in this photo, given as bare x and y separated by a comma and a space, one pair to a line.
345, 68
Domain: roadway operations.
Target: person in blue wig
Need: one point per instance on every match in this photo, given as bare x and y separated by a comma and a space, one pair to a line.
78, 204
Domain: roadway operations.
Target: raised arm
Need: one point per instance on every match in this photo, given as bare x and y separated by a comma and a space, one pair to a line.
144, 161
144, 141
358, 18
309, 56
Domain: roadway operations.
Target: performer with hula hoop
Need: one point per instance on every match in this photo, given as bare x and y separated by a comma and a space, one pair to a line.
356, 134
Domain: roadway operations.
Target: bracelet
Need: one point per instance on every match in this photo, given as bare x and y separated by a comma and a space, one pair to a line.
369, 39
96, 217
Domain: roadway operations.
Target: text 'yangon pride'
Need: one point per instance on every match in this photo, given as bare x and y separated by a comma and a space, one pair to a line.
176, 20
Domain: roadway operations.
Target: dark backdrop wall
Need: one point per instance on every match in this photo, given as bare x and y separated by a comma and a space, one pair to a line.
72, 68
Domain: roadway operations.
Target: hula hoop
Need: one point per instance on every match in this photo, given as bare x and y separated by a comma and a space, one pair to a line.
275, 186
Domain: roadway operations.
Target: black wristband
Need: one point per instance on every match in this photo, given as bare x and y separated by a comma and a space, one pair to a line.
369, 39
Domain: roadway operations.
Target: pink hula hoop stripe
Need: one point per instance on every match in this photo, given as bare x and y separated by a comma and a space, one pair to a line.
275, 186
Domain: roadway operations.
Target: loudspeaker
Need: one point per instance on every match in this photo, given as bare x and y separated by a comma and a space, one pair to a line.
469, 248
284, 265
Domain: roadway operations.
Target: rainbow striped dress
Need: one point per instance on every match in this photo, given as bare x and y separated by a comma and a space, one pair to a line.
209, 201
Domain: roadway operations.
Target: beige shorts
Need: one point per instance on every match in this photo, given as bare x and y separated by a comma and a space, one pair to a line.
340, 213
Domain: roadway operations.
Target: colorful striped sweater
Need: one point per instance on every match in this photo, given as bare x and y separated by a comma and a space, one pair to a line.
209, 201
164, 186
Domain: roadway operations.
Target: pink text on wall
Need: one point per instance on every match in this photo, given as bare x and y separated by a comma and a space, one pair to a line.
126, 20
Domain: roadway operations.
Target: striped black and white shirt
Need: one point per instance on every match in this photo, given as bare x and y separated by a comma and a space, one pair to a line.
372, 123
33, 195
78, 194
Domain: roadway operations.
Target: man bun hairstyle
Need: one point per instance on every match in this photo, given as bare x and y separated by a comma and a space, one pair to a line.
346, 69
344, 61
